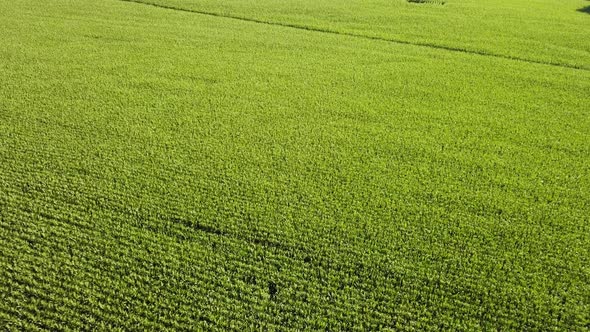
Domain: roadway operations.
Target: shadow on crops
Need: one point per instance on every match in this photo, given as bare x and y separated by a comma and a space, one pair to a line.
585, 10
436, 2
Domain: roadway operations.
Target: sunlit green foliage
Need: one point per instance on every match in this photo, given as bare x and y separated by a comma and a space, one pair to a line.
165, 169
547, 31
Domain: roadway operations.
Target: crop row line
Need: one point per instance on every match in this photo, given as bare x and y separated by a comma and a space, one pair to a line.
355, 35
417, 295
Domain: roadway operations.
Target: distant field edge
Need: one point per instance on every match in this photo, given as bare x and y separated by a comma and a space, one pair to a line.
355, 35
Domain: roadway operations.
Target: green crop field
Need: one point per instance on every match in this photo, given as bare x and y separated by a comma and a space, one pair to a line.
294, 165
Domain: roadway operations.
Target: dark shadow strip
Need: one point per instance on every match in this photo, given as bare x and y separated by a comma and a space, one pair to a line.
349, 34
257, 239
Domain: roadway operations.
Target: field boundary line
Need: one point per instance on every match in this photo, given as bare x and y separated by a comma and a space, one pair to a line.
350, 34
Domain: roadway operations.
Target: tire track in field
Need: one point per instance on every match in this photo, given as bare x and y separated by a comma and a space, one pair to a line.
355, 35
